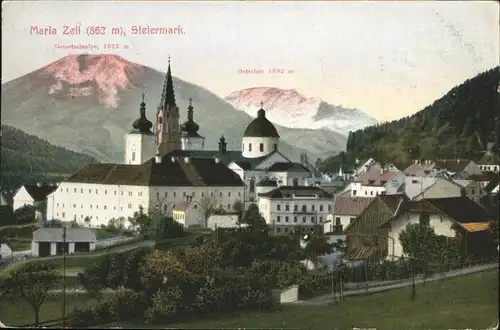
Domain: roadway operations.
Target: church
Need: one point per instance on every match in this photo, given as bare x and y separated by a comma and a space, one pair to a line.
170, 165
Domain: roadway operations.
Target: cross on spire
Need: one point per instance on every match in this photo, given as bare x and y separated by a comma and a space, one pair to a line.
168, 58
190, 100
261, 104
142, 96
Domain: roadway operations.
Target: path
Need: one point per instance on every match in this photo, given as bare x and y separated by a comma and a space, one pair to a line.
327, 298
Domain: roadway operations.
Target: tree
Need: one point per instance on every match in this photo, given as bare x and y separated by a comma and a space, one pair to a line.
238, 206
34, 283
317, 245
253, 218
317, 163
493, 227
25, 215
166, 227
87, 221
209, 206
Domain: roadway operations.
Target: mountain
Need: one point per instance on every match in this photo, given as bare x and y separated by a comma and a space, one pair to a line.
27, 158
461, 124
291, 109
87, 103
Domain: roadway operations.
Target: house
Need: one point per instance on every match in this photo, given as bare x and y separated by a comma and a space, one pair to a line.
458, 168
415, 185
473, 189
5, 250
442, 214
345, 210
364, 238
421, 168
363, 166
489, 162
441, 188
484, 178
224, 220
34, 195
189, 214
377, 180
287, 208
50, 241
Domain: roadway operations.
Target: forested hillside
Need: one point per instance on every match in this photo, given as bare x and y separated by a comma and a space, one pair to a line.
460, 124
27, 157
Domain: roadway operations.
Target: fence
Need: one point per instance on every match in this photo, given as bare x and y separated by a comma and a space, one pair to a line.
108, 242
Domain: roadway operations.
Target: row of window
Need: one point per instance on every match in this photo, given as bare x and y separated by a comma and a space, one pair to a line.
105, 207
295, 219
354, 192
493, 168
303, 208
261, 147
139, 193
286, 229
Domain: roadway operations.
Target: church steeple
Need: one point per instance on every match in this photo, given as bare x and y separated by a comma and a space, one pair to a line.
190, 128
143, 125
167, 97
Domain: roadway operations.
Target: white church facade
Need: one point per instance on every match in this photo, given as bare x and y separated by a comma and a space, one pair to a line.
170, 166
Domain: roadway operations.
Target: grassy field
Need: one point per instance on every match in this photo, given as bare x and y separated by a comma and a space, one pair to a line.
463, 302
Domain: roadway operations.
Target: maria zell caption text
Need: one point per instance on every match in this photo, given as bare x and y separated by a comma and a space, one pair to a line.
102, 30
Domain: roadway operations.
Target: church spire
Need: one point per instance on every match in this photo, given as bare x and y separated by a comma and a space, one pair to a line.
142, 125
168, 97
190, 110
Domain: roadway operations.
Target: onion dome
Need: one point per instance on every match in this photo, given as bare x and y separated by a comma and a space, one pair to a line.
143, 125
190, 128
261, 126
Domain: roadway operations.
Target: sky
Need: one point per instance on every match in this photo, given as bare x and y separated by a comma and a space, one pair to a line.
388, 59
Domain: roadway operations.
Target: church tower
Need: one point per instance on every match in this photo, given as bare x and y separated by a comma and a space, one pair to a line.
190, 139
167, 131
139, 143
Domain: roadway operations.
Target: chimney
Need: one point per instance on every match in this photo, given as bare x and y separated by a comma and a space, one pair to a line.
186, 160
172, 159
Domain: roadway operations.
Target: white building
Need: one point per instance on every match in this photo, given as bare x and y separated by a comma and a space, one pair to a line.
33, 195
440, 214
189, 214
51, 241
377, 180
5, 250
287, 208
101, 192
140, 142
224, 220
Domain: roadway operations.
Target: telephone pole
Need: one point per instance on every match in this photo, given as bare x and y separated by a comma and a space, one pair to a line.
64, 276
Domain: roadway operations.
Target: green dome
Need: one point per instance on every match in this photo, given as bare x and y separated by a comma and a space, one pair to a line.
261, 127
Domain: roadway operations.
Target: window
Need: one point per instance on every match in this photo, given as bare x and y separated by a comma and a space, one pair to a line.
414, 181
81, 206
66, 189
114, 208
337, 221
275, 147
140, 194
63, 214
304, 208
166, 194
105, 192
122, 193
321, 219
57, 204
313, 219
90, 205
130, 193
329, 207
228, 194
424, 219
261, 147
354, 192
175, 194
278, 207
286, 219
304, 219
321, 208
115, 192
294, 219
74, 206
249, 147
220, 206
184, 194
228, 206
295, 208
278, 218
96, 192
97, 206
129, 206
239, 193
287, 207
193, 194
105, 207
211, 194
133, 155
220, 194
371, 193
278, 230
286, 230
81, 191
313, 208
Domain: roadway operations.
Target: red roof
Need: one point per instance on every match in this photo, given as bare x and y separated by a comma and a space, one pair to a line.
182, 206
350, 205
376, 177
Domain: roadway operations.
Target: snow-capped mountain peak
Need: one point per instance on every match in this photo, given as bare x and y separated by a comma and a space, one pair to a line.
289, 108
